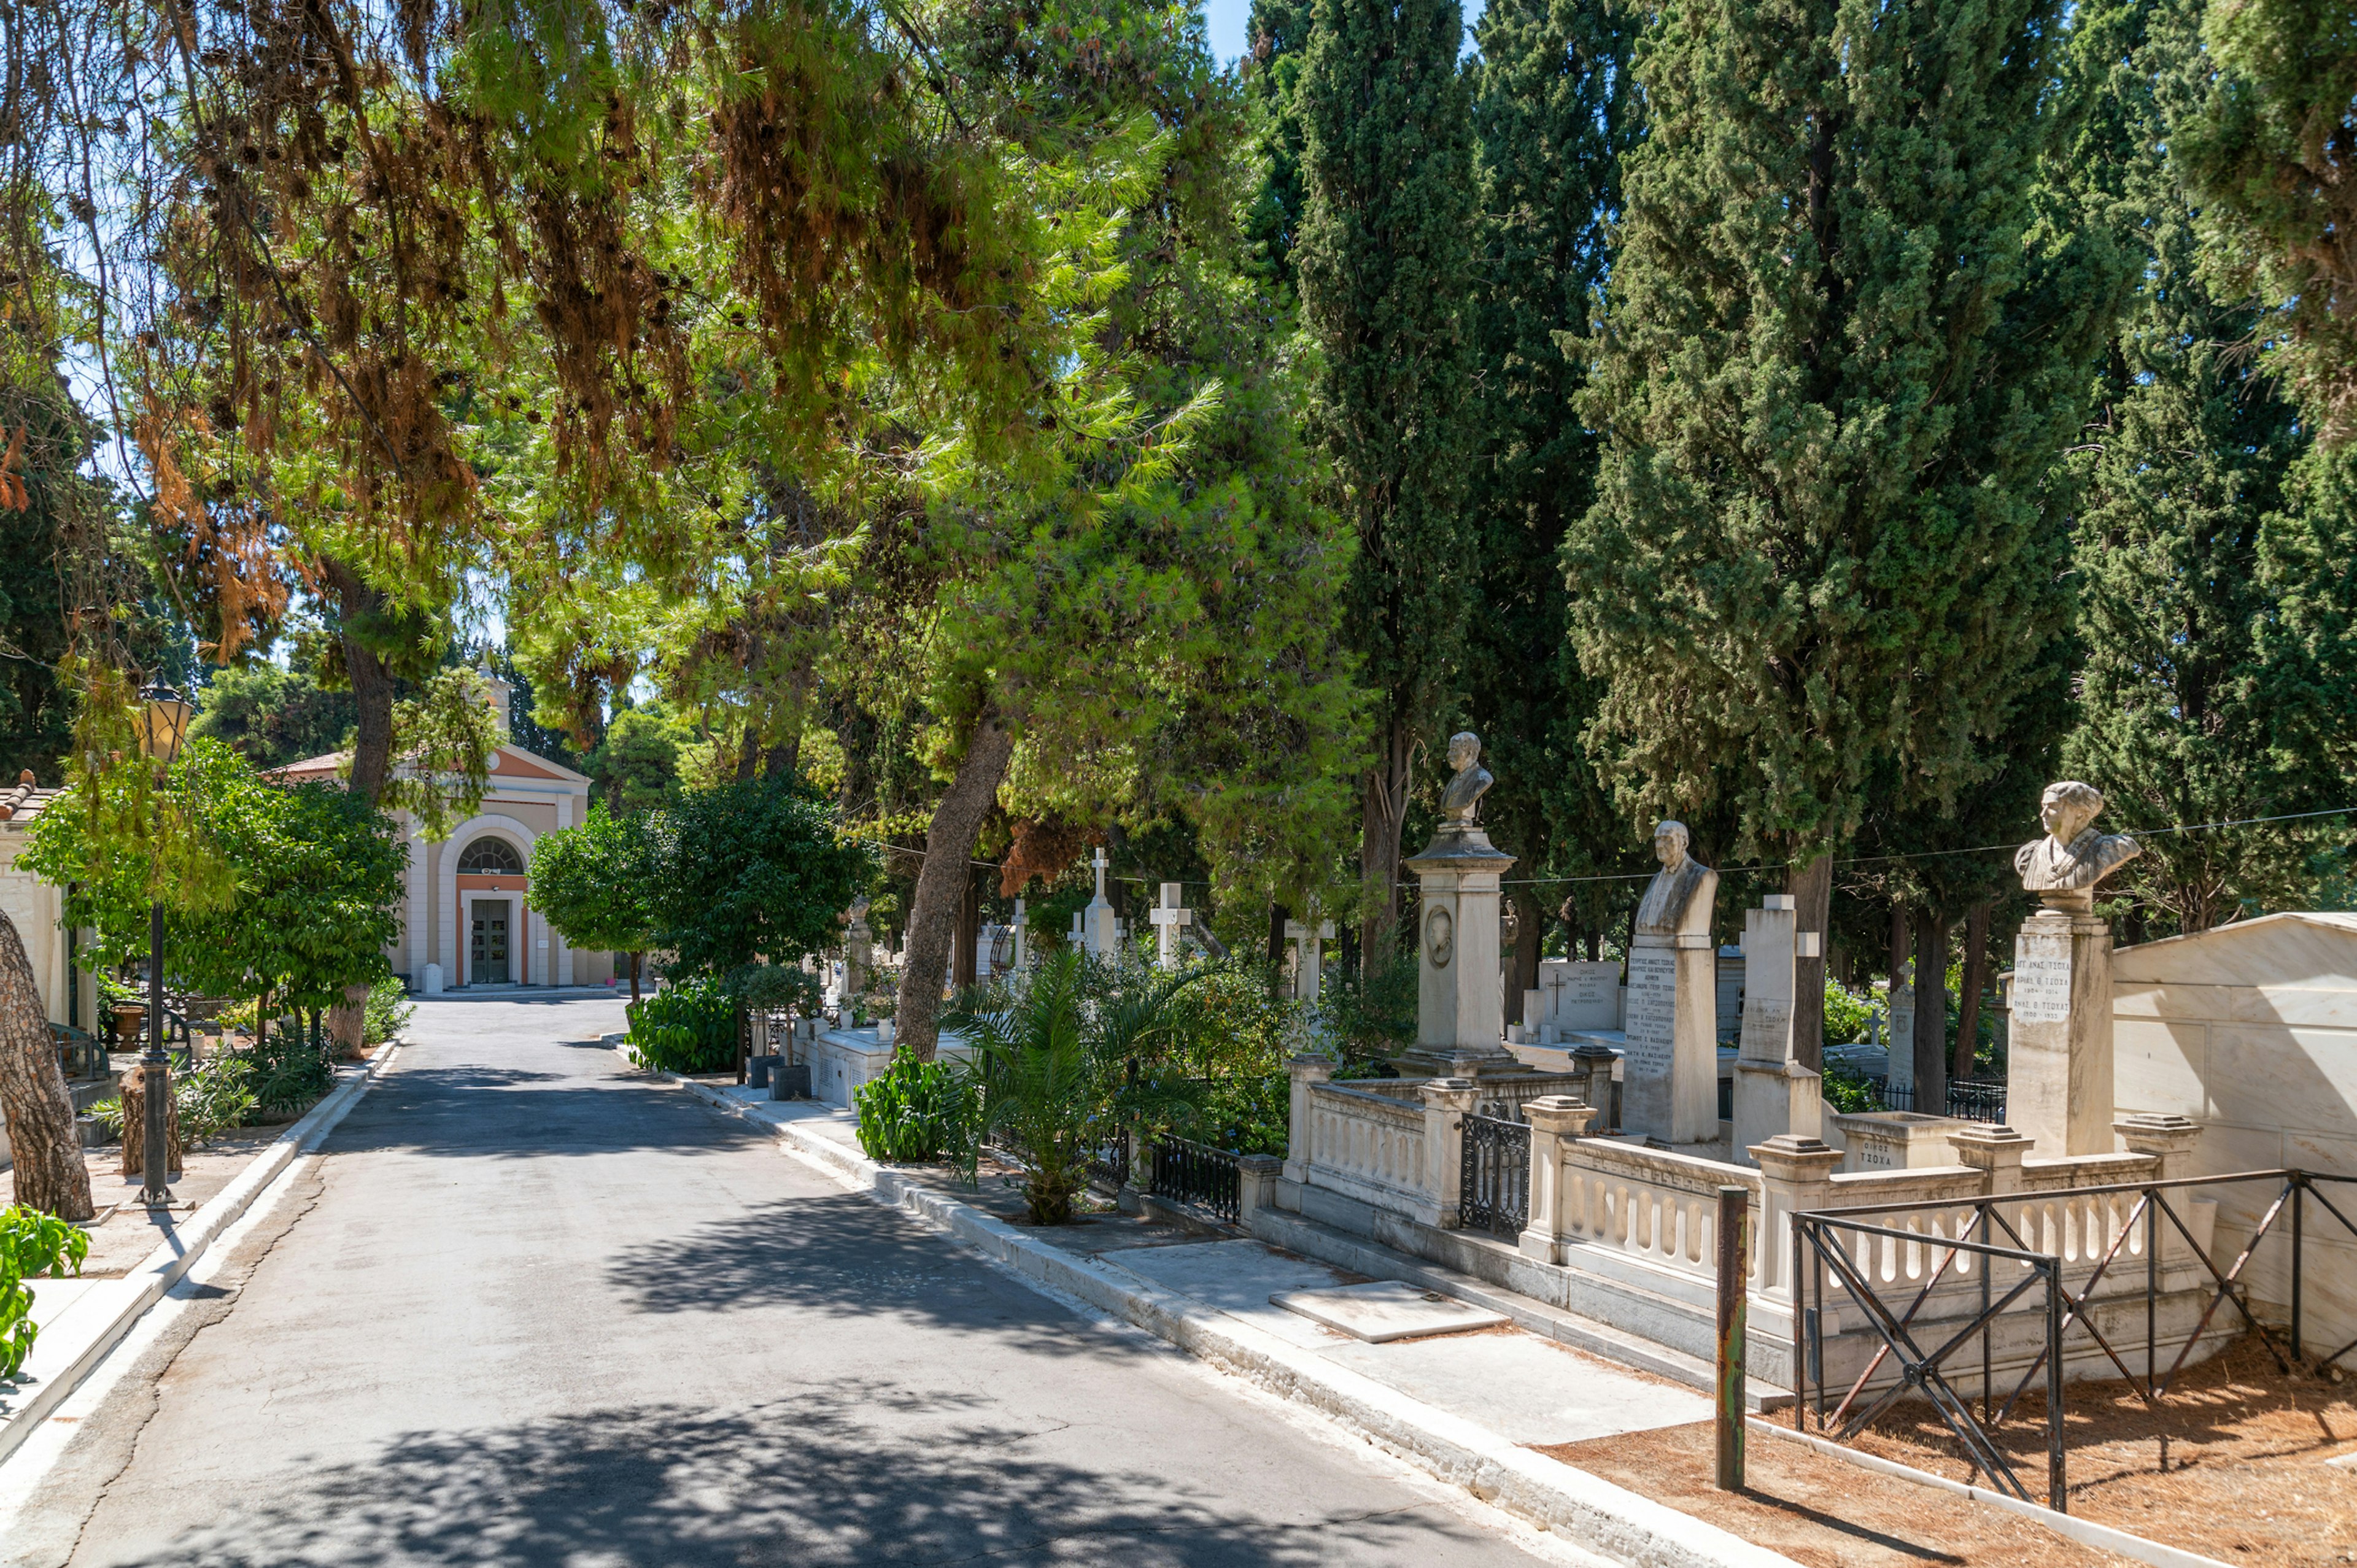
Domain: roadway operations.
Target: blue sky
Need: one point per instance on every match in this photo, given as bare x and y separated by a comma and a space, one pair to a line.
1227, 19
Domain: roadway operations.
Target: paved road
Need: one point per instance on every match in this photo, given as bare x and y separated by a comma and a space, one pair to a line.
535, 1309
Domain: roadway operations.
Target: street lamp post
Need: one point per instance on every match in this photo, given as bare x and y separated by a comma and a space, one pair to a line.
165, 720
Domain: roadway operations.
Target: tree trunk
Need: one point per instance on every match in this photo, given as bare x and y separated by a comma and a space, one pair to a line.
964, 970
1382, 814
348, 1021
1811, 884
371, 682
49, 1173
949, 851
1975, 977
1931, 1012
1277, 916
135, 1118
635, 959
1898, 946
1525, 975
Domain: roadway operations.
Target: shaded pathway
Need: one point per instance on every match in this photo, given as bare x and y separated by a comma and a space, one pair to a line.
543, 1311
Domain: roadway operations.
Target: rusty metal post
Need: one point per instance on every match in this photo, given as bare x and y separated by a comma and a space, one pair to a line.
1734, 1292
2057, 1495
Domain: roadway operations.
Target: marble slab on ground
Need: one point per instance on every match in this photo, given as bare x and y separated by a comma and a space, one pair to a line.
1384, 1310
1239, 1278
1524, 1388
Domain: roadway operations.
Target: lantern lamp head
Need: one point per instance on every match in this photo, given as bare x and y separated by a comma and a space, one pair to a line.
164, 722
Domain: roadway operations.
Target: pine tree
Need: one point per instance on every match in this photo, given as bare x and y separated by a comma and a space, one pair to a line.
1384, 258
1553, 110
2187, 454
1852, 320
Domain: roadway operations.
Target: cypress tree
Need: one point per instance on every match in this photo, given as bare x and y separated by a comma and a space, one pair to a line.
1383, 255
1851, 323
1272, 74
2189, 453
1554, 110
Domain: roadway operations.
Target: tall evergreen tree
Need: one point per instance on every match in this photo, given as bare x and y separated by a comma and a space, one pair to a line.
1851, 323
1280, 44
1553, 110
2188, 453
1384, 258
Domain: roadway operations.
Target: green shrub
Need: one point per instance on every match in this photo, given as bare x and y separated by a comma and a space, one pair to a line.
31, 1244
216, 1097
1849, 1013
1846, 1092
388, 1012
917, 1111
689, 1027
288, 1074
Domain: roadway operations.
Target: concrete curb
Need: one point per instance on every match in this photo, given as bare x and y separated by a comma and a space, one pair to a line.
1583, 1508
2086, 1532
143, 1286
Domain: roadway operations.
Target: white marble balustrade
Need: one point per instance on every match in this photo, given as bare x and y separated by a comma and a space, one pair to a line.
1366, 1145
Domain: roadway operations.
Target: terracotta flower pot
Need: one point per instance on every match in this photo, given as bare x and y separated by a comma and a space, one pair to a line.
128, 1021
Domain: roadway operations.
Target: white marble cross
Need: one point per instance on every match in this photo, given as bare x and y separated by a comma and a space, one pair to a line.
1168, 917
1100, 933
1308, 956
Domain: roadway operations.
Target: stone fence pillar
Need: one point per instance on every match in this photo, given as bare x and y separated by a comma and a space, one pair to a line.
1554, 1119
1594, 1063
1795, 1175
1305, 1073
1997, 1152
1447, 1102
2170, 1140
1255, 1185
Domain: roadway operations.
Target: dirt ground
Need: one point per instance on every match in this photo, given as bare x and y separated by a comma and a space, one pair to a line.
1821, 1510
2245, 1448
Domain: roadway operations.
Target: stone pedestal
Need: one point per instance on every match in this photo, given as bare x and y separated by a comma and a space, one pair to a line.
1774, 1093
1897, 1140
2059, 1060
1447, 1102
1669, 1090
1460, 1013
1554, 1119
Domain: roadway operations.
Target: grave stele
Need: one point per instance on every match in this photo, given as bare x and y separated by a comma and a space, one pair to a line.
1168, 917
1309, 955
1022, 938
1101, 933
1461, 1012
1774, 1093
856, 936
1669, 1088
2058, 1055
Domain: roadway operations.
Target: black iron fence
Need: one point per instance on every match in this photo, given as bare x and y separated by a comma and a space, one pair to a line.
1834, 1247
1494, 1189
1971, 1099
1199, 1175
1109, 1162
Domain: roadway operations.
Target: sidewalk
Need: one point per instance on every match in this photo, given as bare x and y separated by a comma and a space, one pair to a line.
1499, 1411
81, 1318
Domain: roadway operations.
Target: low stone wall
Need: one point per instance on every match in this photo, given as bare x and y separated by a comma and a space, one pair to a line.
841, 1059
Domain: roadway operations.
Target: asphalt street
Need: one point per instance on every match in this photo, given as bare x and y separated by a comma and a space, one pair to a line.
535, 1308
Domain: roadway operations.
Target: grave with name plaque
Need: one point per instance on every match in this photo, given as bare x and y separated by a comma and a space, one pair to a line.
2058, 1053
1669, 1088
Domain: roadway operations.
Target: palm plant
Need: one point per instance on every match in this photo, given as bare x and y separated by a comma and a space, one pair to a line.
1065, 1062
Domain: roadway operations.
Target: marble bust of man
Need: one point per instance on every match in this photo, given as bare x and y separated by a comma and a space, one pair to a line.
1671, 897
2065, 865
1460, 799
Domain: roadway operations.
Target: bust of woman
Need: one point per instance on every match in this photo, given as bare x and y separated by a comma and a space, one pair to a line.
2063, 867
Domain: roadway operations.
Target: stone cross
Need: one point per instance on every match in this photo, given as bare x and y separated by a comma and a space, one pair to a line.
1555, 983
1099, 934
1308, 956
1168, 918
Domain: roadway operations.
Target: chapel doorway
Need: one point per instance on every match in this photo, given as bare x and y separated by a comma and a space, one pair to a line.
488, 961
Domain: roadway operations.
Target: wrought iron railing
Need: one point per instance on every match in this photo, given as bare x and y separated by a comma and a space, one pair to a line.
1109, 1162
1835, 1248
1970, 1099
1494, 1191
1199, 1175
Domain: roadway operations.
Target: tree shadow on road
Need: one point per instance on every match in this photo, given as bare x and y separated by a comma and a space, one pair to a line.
478, 1111
836, 1476
839, 1254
